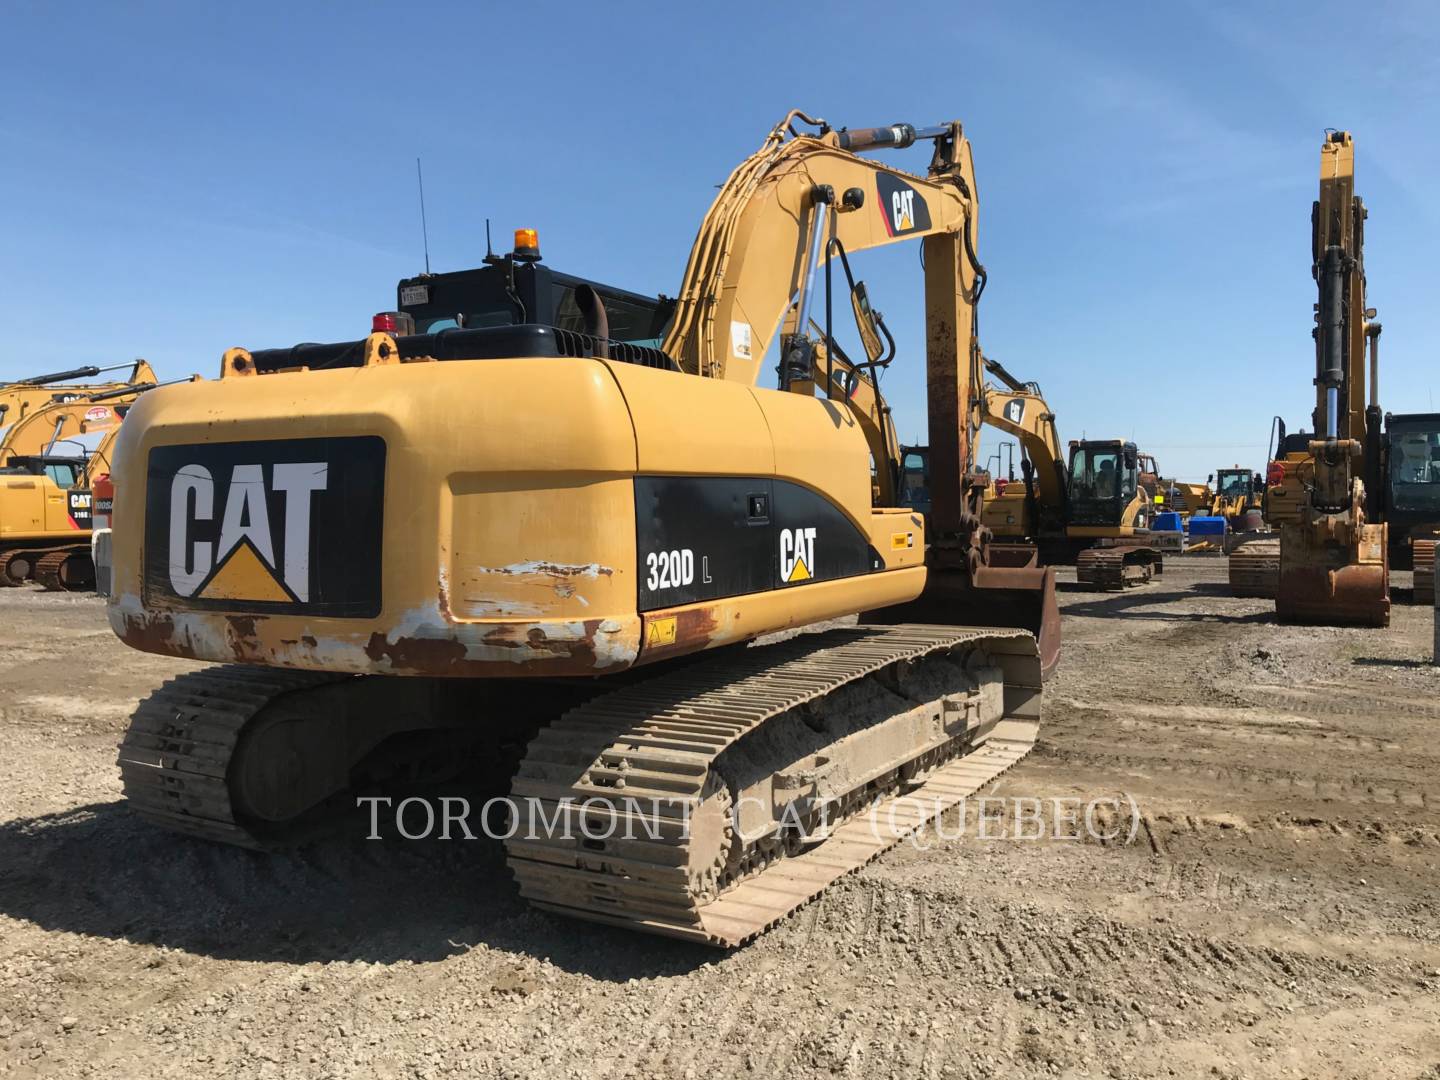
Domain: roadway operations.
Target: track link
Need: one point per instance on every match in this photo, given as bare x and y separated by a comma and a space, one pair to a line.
1255, 569
654, 746
1113, 569
176, 753
65, 570
1424, 567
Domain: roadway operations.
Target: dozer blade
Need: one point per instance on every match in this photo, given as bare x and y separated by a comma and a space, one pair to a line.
1323, 585
1012, 591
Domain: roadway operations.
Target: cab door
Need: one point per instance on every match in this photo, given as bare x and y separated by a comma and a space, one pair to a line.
56, 481
22, 505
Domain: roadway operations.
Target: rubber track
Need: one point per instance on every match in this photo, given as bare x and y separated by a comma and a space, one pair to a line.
175, 755
1104, 568
1424, 566
669, 730
1255, 569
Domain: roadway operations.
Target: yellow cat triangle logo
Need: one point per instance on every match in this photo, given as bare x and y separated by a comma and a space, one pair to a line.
905, 223
800, 572
244, 576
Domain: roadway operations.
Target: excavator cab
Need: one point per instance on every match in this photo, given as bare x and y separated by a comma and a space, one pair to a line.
915, 478
1412, 496
1412, 490
1104, 484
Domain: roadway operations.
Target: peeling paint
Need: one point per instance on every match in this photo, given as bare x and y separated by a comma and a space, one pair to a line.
533, 589
494, 606
550, 569
423, 641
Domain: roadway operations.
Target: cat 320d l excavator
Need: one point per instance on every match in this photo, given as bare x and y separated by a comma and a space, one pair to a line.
587, 549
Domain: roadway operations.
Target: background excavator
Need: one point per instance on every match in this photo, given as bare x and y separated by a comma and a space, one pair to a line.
1334, 560
43, 458
1254, 561
1090, 509
1327, 492
18, 399
1409, 502
576, 564
1410, 496
1111, 504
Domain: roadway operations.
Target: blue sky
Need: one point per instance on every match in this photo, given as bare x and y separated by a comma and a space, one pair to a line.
182, 178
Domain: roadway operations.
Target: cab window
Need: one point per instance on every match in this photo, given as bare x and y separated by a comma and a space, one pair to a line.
61, 474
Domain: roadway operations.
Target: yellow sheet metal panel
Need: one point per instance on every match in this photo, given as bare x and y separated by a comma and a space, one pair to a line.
532, 546
694, 426
819, 443
22, 506
898, 534
462, 450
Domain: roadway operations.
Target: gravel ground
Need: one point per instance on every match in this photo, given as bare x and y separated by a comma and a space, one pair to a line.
1276, 912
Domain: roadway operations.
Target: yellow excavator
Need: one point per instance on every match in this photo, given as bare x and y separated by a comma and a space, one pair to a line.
583, 558
1091, 508
1334, 560
1254, 561
1032, 509
18, 399
43, 457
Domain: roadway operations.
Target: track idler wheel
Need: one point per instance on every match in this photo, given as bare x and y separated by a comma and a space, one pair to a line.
16, 568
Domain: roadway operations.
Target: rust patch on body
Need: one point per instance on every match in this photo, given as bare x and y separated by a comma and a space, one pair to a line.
156, 634
552, 569
429, 655
695, 629
243, 642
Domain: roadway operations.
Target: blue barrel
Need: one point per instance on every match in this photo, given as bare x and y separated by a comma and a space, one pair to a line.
1207, 526
1169, 521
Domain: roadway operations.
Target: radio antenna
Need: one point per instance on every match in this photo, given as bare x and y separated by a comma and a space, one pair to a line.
424, 229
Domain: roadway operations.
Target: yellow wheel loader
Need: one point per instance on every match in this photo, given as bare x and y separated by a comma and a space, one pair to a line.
581, 561
1237, 492
1334, 560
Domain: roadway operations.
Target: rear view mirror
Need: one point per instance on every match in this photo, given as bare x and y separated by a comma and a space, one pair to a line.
865, 322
